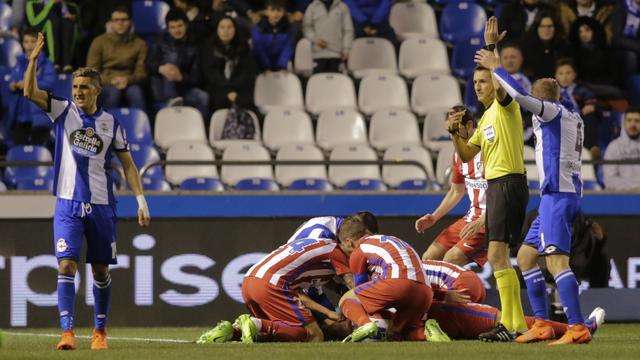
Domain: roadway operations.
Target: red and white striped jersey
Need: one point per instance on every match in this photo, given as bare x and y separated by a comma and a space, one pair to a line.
386, 257
302, 264
471, 174
441, 274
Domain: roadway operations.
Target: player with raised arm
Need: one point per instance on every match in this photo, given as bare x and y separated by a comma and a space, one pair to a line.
86, 136
559, 134
463, 241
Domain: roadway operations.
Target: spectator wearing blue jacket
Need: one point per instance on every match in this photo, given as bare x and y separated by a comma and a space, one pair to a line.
27, 123
272, 41
371, 18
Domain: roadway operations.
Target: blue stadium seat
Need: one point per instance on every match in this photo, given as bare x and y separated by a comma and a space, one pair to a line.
590, 185
208, 184
5, 75
10, 49
5, 17
534, 184
633, 87
365, 184
37, 184
155, 184
416, 184
257, 184
462, 56
311, 184
470, 97
148, 17
15, 174
136, 124
462, 20
145, 154
62, 86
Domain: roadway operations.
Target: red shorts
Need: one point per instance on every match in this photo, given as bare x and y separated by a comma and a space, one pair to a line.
474, 248
463, 320
470, 281
266, 301
411, 300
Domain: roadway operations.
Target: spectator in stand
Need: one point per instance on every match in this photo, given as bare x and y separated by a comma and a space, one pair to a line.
511, 59
94, 21
272, 41
577, 97
625, 24
200, 18
594, 9
57, 20
27, 123
244, 12
543, 44
371, 18
295, 13
625, 147
173, 66
120, 57
590, 50
327, 24
517, 17
228, 67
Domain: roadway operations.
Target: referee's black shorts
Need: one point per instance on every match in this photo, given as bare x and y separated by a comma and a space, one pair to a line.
507, 198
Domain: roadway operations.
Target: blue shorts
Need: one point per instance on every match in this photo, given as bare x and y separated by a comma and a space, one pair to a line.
551, 231
321, 298
74, 220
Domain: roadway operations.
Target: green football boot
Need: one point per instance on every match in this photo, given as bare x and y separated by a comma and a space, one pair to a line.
434, 333
223, 332
248, 328
365, 331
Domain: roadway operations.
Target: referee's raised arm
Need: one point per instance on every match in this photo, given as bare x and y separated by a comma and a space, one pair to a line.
31, 90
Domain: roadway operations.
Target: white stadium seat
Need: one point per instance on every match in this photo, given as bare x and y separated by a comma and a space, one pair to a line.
419, 56
216, 128
382, 92
412, 19
372, 56
434, 133
393, 175
286, 174
287, 126
175, 174
391, 127
444, 163
303, 58
343, 126
231, 174
330, 91
179, 124
434, 91
275, 90
341, 174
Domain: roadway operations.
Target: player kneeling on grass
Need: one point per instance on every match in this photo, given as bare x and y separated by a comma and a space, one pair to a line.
388, 274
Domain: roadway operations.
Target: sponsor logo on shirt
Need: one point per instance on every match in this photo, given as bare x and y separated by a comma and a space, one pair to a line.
86, 142
476, 184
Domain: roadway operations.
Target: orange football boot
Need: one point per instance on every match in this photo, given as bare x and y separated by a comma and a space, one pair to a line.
540, 331
577, 334
67, 341
99, 340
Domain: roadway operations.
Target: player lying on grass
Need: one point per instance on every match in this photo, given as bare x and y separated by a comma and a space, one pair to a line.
452, 283
388, 274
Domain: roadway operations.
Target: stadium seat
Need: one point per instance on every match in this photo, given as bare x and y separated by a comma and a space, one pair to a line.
287, 174
365, 184
341, 174
414, 185
420, 56
36, 184
275, 90
434, 132
336, 127
382, 92
257, 184
155, 184
231, 174
3, 187
148, 17
10, 49
391, 127
470, 97
216, 128
15, 174
444, 163
135, 122
462, 57
5, 17
633, 87
5, 92
311, 185
532, 171
330, 91
394, 175
461, 20
372, 56
413, 19
62, 88
434, 91
303, 58
189, 151
287, 126
202, 183
143, 155
178, 124
589, 178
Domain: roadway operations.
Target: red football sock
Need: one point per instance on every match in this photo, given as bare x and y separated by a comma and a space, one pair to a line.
279, 331
353, 310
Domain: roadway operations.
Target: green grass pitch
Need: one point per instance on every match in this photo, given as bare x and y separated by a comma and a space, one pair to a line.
613, 341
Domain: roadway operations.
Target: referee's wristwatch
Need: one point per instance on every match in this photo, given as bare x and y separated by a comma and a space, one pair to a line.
490, 47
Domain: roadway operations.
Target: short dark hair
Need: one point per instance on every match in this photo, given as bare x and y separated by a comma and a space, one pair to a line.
632, 109
368, 219
480, 68
275, 4
565, 61
352, 228
176, 15
467, 116
509, 44
122, 9
30, 31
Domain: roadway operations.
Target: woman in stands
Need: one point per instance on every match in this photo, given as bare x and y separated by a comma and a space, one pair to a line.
543, 44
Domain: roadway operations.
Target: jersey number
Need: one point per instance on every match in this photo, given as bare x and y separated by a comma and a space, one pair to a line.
579, 140
299, 245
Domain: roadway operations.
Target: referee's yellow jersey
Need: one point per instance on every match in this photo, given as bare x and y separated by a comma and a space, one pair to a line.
499, 136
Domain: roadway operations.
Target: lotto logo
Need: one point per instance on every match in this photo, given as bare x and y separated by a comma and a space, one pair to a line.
550, 249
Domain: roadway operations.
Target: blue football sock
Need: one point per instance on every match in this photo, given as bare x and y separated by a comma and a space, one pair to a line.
66, 300
101, 302
569, 296
536, 289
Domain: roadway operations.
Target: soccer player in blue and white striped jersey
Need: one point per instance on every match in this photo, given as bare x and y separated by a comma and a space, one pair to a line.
86, 137
559, 134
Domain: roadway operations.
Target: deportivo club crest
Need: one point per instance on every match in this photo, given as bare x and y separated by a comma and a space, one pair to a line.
86, 142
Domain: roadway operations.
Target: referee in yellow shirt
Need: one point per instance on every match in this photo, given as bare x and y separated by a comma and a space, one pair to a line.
499, 137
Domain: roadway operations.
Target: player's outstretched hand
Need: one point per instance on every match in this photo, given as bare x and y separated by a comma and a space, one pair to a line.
491, 35
38, 49
471, 229
425, 222
457, 296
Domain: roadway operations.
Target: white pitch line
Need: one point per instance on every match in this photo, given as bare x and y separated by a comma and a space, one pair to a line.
10, 333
